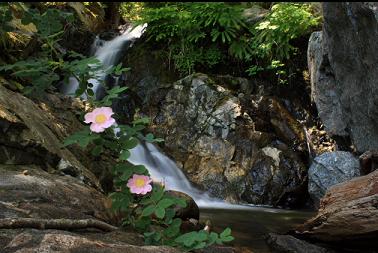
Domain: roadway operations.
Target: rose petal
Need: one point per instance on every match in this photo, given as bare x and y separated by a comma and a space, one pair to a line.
89, 117
108, 123
96, 128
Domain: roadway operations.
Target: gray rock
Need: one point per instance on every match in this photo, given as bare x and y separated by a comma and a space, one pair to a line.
290, 244
207, 132
329, 169
342, 62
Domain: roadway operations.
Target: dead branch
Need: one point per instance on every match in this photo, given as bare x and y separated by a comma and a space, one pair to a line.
61, 224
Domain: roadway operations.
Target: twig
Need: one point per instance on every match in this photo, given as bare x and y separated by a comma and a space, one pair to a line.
62, 224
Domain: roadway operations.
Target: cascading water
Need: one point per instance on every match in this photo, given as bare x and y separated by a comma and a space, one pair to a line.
161, 168
108, 53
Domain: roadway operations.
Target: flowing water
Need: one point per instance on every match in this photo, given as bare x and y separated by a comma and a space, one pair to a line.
108, 53
249, 223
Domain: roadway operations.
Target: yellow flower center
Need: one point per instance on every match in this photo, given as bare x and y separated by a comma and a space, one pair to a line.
139, 182
101, 118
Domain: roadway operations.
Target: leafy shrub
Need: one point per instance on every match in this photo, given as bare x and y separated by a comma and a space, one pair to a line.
203, 35
51, 63
285, 22
196, 33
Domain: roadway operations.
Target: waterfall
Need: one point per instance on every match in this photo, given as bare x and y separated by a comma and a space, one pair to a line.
161, 168
108, 53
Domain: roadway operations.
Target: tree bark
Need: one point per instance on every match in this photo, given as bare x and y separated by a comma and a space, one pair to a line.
112, 14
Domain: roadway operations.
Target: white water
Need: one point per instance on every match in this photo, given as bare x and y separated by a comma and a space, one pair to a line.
161, 168
108, 53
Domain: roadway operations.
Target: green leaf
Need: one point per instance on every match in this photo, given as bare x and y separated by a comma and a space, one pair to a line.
139, 169
227, 238
148, 210
97, 150
202, 235
157, 193
213, 237
83, 138
149, 137
187, 239
126, 175
143, 121
164, 203
200, 245
125, 154
173, 229
181, 202
130, 144
143, 223
225, 233
160, 212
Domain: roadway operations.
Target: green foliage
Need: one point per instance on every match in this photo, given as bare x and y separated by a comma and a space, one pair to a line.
201, 239
130, 11
285, 22
48, 66
203, 35
195, 33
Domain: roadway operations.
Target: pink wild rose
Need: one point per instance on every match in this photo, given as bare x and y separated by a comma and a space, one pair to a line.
101, 118
139, 184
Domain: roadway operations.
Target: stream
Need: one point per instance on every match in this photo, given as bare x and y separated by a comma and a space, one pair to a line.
249, 226
249, 223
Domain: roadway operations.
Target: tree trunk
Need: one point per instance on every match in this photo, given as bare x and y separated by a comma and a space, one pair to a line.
112, 15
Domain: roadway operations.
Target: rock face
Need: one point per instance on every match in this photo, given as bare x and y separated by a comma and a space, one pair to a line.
342, 61
28, 191
348, 214
329, 169
215, 140
33, 133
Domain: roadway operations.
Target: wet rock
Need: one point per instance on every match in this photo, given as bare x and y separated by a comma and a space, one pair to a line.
368, 162
78, 40
191, 211
329, 169
348, 215
274, 175
290, 244
208, 131
343, 78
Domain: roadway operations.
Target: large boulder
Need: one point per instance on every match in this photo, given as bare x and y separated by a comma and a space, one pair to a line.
348, 215
342, 61
290, 244
27, 191
213, 137
329, 169
33, 133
